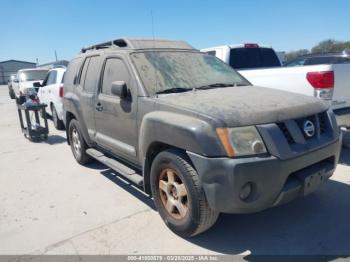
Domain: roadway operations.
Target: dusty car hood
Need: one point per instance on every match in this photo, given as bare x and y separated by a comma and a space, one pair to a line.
241, 106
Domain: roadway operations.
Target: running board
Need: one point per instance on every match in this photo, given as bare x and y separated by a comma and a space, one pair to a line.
122, 169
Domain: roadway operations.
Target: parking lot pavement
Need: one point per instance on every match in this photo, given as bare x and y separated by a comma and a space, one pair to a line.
51, 205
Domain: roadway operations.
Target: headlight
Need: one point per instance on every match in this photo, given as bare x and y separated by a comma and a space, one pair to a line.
241, 141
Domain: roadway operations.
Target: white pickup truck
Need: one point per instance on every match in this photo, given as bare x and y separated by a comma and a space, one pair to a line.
261, 66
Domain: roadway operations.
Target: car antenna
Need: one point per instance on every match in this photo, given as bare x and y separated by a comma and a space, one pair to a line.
152, 22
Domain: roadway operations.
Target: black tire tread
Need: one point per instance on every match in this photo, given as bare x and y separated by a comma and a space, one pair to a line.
205, 216
85, 158
208, 216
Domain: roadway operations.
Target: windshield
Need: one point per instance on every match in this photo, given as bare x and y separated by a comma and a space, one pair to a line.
32, 75
166, 70
244, 58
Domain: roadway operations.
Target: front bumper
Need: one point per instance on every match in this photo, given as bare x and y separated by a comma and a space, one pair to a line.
273, 181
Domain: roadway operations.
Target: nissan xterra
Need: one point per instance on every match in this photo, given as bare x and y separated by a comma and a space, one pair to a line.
193, 133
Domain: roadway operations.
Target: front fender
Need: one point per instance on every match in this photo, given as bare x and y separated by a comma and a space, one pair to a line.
181, 131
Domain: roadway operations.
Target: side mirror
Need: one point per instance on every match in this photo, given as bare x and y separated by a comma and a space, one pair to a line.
119, 89
37, 84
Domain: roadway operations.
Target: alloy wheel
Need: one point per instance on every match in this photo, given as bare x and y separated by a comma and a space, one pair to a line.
173, 193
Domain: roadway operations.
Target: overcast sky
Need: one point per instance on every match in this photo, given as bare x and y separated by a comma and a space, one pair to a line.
34, 29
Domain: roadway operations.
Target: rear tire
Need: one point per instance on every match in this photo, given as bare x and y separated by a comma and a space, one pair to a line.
77, 143
179, 196
12, 93
56, 121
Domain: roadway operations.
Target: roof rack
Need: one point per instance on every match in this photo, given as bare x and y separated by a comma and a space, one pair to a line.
113, 43
141, 43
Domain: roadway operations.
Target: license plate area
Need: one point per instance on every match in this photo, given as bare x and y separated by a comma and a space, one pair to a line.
313, 182
314, 176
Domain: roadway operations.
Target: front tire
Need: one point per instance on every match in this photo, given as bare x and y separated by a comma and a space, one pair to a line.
77, 143
178, 195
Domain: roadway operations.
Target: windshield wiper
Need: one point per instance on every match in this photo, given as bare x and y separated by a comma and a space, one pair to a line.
174, 90
214, 86
219, 85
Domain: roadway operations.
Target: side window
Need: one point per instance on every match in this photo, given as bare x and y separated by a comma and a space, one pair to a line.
115, 70
299, 62
51, 79
342, 60
83, 71
72, 71
92, 74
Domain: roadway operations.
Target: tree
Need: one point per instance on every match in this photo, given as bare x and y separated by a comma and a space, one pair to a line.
330, 45
295, 54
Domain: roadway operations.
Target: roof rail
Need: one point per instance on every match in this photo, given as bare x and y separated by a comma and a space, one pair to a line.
114, 43
139, 43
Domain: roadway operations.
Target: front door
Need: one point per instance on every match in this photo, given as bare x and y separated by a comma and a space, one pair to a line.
115, 118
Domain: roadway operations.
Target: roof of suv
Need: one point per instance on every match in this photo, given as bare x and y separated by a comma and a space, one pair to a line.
139, 44
345, 53
32, 69
232, 46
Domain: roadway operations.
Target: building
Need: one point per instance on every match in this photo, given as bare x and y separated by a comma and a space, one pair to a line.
10, 67
54, 64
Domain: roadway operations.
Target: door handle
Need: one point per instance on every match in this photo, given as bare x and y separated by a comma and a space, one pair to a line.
99, 106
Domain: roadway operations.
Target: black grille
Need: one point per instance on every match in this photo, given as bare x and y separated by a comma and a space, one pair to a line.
286, 133
320, 121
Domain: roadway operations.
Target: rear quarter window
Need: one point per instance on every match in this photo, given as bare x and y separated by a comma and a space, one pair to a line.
72, 71
244, 58
92, 74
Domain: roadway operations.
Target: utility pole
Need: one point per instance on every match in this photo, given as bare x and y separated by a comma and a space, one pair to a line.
56, 56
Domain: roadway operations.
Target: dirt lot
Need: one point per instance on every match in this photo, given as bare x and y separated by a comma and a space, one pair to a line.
51, 205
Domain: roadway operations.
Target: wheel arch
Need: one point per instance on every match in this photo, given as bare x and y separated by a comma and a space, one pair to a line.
69, 117
153, 150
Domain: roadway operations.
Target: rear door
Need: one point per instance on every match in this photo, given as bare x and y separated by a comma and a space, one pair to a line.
45, 90
87, 87
115, 117
49, 89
